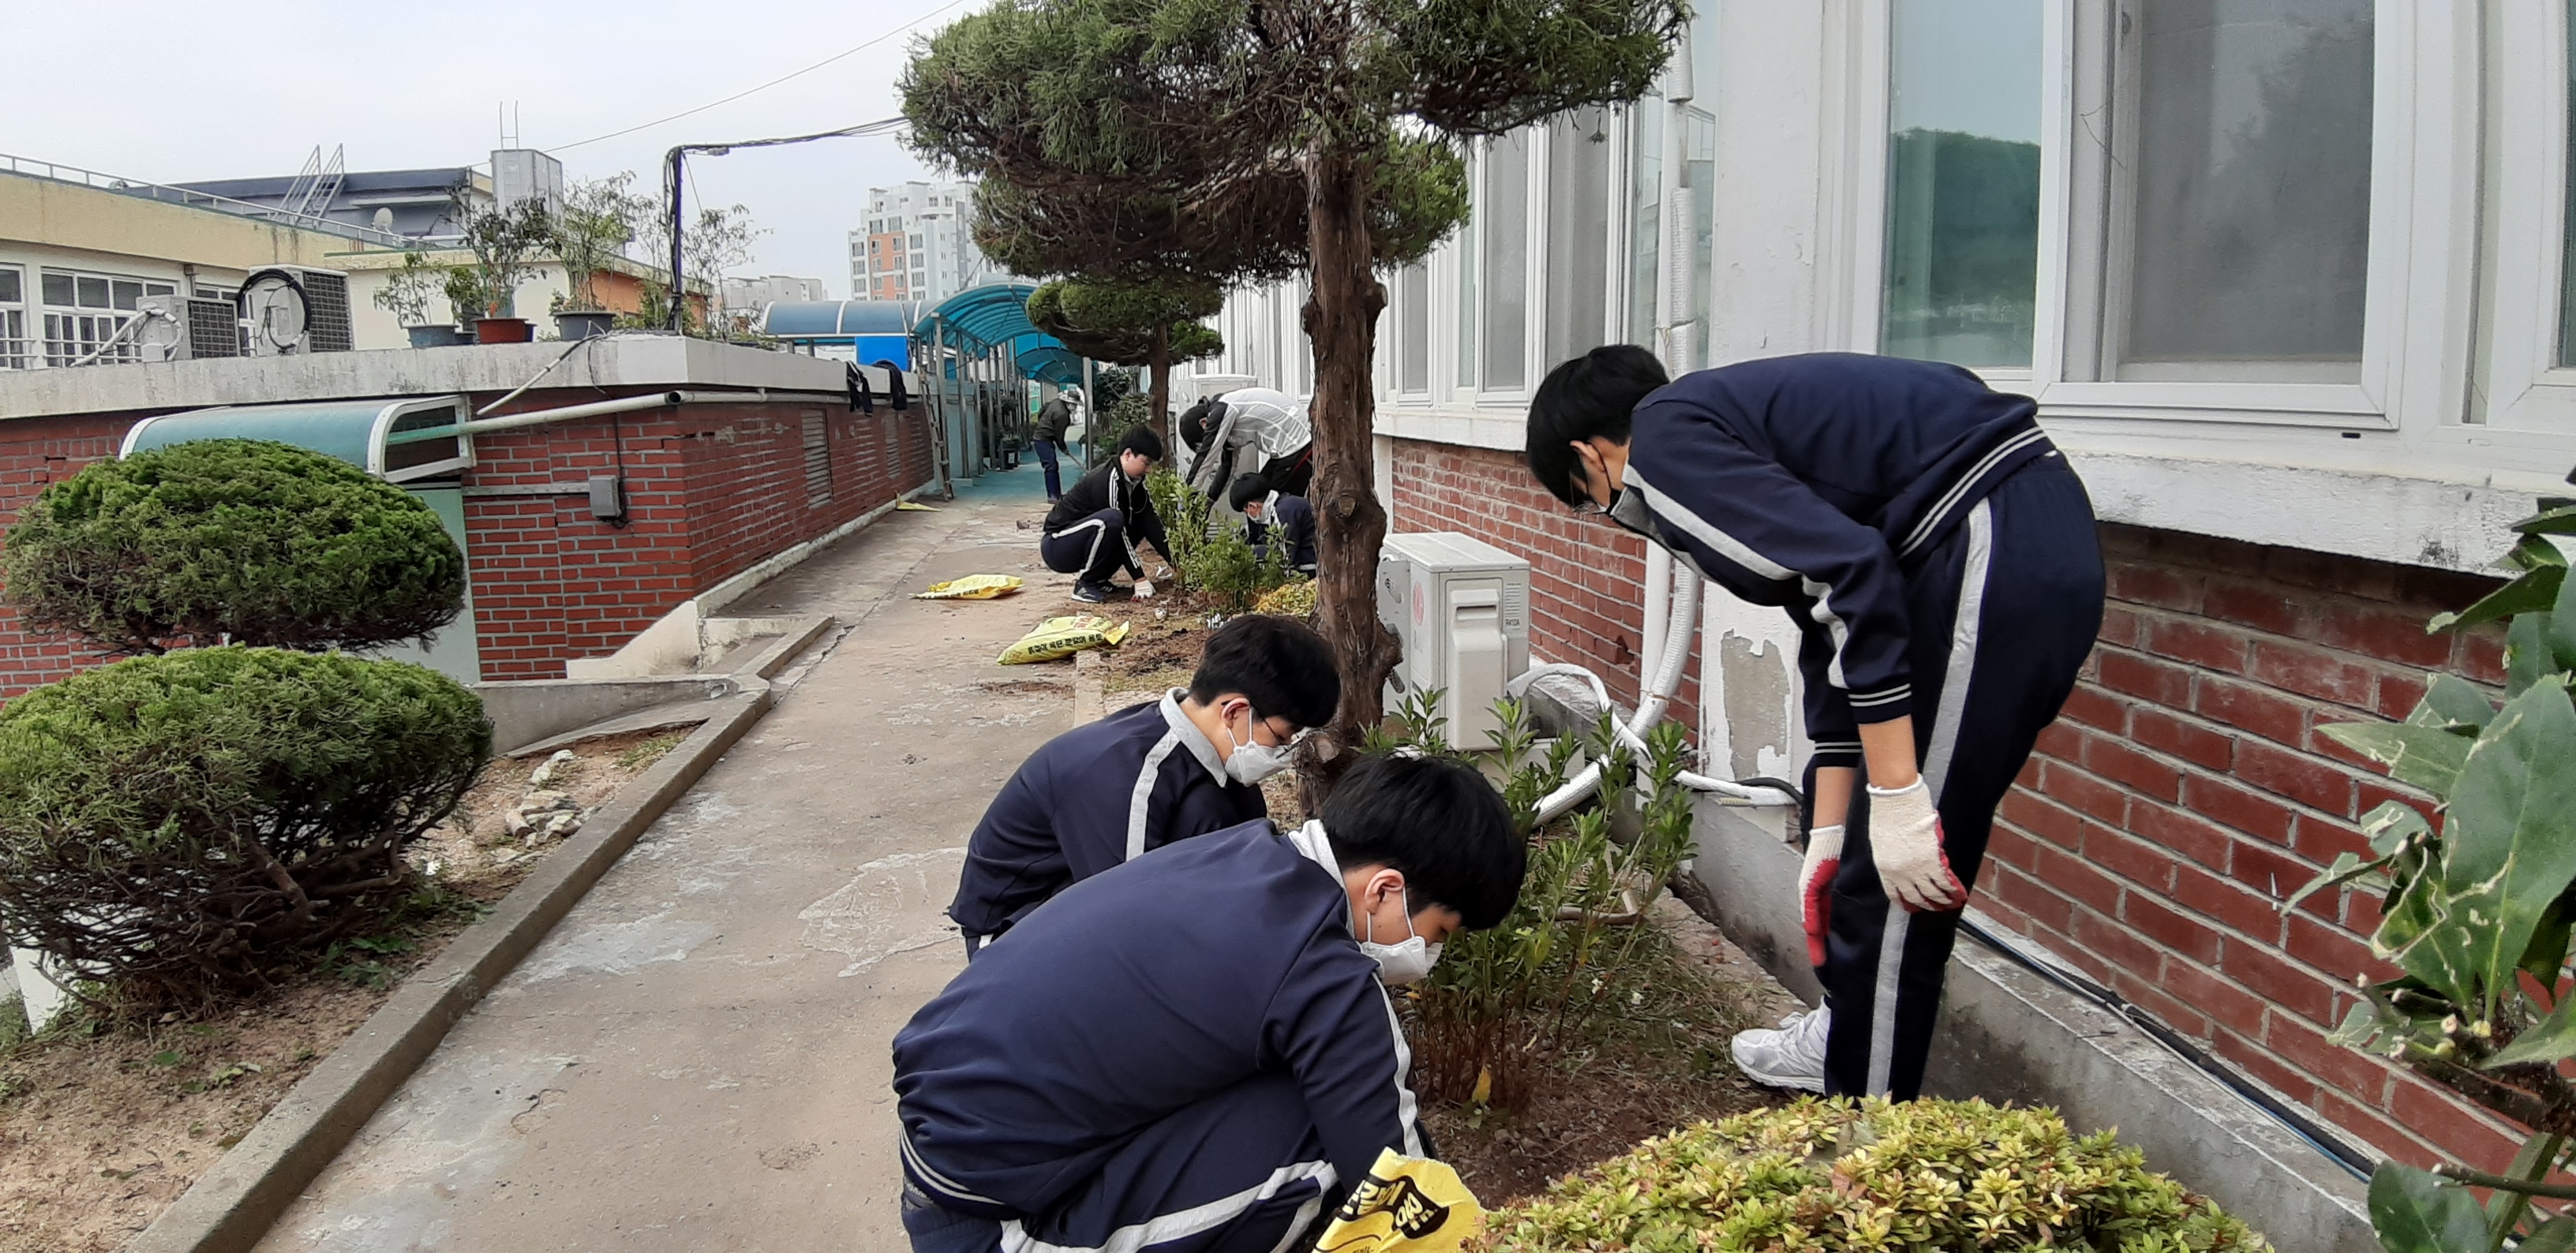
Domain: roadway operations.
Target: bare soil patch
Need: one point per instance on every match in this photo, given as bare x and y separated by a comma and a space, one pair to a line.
102, 1124
1648, 1068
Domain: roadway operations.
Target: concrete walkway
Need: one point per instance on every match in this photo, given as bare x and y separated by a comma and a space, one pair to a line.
697, 1058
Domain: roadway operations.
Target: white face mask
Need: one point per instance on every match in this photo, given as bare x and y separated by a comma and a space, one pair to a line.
1251, 763
1400, 964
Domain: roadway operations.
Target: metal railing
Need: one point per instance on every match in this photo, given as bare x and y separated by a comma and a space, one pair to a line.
60, 173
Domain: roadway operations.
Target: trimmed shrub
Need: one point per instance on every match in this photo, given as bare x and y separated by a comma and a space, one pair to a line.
260, 542
184, 824
1839, 1175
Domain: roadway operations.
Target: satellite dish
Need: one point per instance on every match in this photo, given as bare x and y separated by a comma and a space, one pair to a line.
272, 302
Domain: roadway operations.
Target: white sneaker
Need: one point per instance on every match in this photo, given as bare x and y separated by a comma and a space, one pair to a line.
1791, 1057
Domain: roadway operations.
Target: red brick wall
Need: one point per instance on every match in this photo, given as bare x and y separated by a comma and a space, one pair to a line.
711, 491
2183, 793
2187, 789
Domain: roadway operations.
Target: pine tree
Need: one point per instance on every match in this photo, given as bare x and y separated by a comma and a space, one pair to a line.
1232, 141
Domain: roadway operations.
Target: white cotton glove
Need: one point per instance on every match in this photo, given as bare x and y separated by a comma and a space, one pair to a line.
1816, 886
1144, 589
1905, 842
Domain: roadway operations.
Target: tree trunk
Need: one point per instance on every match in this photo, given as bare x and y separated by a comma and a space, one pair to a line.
1160, 421
1350, 523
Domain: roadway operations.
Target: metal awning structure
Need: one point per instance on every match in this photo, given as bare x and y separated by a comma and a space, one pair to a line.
995, 317
397, 439
875, 329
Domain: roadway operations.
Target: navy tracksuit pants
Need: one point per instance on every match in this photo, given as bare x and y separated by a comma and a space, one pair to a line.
2003, 613
1046, 457
1095, 547
1238, 1172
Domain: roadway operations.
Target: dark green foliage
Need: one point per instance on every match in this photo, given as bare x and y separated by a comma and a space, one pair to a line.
1836, 1175
186, 824
1116, 322
259, 542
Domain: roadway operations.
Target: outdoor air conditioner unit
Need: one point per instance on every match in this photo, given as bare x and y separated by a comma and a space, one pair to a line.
326, 309
294, 309
184, 328
1460, 607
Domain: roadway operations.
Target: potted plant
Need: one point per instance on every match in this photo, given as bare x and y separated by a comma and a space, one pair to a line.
407, 293
596, 223
506, 243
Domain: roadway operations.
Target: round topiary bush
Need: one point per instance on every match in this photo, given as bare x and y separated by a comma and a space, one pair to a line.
1840, 1175
258, 542
182, 824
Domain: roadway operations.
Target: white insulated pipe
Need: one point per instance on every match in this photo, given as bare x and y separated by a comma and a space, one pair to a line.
630, 404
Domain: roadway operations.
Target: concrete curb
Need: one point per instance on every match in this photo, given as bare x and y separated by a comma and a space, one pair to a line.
1090, 688
231, 1207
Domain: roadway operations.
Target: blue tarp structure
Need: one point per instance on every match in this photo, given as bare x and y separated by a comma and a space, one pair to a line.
994, 316
875, 330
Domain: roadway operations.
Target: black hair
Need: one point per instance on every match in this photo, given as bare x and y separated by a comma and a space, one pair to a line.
1247, 489
1588, 397
1437, 820
1279, 664
1198, 420
1144, 440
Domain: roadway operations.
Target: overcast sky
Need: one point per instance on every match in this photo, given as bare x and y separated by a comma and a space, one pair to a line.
170, 92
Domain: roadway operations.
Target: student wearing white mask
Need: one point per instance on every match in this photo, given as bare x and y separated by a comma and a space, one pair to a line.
1196, 1051
1145, 776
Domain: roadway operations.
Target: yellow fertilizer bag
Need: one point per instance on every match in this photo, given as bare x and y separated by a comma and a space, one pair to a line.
1405, 1205
1063, 637
972, 587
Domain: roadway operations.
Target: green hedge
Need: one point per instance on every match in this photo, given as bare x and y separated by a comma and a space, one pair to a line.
1844, 1175
258, 542
187, 822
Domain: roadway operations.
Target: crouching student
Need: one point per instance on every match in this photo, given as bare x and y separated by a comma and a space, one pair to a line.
1094, 528
1267, 514
1145, 776
1195, 1051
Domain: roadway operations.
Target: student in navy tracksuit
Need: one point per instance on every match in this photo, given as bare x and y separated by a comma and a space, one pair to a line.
1264, 510
1195, 1051
1094, 528
1145, 776
1939, 558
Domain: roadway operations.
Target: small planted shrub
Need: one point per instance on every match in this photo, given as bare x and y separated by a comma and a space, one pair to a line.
246, 540
184, 824
1834, 1175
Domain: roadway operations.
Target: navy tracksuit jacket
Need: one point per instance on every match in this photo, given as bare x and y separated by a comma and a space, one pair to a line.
1192, 1043
1089, 799
1940, 560
1294, 522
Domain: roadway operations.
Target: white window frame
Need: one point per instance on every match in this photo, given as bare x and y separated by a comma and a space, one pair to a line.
2522, 386
1534, 140
2422, 237
17, 351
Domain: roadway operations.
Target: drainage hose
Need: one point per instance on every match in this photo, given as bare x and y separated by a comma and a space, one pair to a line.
1664, 674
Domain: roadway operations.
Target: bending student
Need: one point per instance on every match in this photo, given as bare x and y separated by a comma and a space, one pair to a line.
1266, 512
1145, 776
1195, 1051
1939, 558
1094, 528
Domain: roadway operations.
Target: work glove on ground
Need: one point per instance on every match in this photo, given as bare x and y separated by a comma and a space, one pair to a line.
1816, 886
1905, 843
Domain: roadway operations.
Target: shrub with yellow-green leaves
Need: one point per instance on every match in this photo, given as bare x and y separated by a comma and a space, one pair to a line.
1834, 1175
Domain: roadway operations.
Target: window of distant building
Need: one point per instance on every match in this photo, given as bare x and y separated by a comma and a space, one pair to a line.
84, 311
13, 318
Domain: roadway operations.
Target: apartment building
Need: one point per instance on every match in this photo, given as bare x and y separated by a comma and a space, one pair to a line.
918, 243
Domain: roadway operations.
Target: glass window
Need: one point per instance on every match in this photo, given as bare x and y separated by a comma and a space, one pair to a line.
1505, 202
1413, 334
1578, 234
93, 292
2248, 233
13, 318
127, 292
58, 290
13, 286
1645, 216
1962, 280
1466, 305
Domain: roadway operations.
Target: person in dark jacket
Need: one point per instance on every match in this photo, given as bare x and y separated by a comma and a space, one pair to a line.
1938, 556
1094, 528
1054, 418
1195, 1050
1264, 511
1145, 776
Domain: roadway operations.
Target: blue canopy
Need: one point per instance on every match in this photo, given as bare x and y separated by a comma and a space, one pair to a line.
876, 330
994, 316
